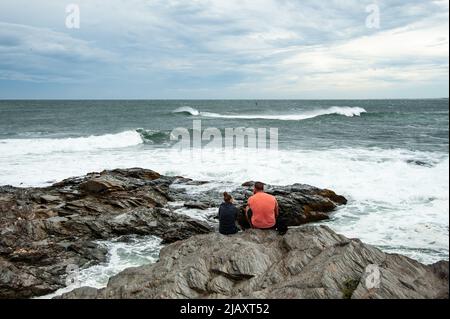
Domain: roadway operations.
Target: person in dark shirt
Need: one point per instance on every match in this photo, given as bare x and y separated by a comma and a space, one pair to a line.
227, 216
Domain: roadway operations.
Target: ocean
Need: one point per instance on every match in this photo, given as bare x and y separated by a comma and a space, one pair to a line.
390, 158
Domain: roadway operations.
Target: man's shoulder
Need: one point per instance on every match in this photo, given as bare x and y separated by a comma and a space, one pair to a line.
261, 195
266, 194
269, 196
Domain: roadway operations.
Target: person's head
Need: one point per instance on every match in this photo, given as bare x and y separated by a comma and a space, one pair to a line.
258, 188
227, 198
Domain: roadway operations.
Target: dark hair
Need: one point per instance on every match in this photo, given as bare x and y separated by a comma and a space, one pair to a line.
259, 186
227, 197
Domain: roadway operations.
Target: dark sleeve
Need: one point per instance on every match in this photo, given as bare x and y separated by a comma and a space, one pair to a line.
218, 214
236, 213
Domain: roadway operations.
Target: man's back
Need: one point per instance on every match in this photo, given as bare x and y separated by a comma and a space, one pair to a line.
263, 208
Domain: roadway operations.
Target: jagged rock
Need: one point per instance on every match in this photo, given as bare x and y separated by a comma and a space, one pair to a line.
307, 262
50, 198
102, 184
43, 230
299, 203
196, 205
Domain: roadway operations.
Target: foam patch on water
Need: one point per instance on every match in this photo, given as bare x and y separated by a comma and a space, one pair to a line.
136, 251
206, 215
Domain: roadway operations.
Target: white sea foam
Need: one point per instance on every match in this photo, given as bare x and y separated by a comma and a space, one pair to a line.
121, 255
393, 202
338, 110
10, 147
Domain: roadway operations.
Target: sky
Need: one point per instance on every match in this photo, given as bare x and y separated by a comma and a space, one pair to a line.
227, 49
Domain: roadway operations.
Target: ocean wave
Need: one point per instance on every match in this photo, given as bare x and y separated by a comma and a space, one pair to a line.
10, 147
334, 110
187, 110
154, 136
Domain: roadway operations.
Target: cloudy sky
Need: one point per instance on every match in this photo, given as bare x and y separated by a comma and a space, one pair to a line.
224, 49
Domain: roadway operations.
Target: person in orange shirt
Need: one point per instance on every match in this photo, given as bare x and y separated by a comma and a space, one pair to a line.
262, 209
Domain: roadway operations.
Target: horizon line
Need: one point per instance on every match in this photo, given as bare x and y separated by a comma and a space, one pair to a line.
218, 99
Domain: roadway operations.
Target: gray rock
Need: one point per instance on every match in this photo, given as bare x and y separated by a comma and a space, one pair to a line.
299, 203
307, 262
70, 215
45, 229
197, 205
50, 198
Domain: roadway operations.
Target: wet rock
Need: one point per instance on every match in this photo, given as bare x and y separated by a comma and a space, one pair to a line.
197, 205
248, 184
50, 198
419, 163
299, 203
101, 185
43, 230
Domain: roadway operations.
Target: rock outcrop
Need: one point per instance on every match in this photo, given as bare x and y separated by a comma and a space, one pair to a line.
299, 203
44, 230
306, 262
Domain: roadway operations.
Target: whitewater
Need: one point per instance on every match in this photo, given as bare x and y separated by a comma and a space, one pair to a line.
382, 159
406, 212
339, 110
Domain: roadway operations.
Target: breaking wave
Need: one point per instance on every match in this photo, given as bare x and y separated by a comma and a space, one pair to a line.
11, 147
334, 110
154, 136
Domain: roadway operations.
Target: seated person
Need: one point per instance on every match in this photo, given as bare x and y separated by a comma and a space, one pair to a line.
262, 209
227, 216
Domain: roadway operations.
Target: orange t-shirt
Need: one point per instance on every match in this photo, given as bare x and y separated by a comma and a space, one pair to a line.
263, 208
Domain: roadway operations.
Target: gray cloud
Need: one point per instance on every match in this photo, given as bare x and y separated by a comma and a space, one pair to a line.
40, 54
275, 48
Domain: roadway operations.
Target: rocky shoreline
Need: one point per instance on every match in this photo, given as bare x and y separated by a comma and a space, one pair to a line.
307, 262
45, 230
